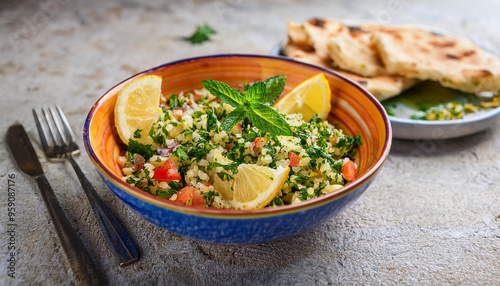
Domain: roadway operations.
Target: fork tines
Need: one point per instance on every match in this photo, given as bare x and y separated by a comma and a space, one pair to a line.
56, 135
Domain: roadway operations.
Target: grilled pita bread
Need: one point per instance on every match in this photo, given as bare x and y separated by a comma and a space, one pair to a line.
298, 36
319, 31
454, 62
352, 50
382, 87
308, 56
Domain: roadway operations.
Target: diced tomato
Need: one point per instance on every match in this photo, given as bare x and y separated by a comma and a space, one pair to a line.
207, 184
185, 194
170, 164
190, 194
259, 142
198, 200
294, 159
138, 167
349, 171
168, 172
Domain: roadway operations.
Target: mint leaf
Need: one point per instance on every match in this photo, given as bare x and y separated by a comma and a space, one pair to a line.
139, 148
224, 92
256, 92
268, 120
233, 118
201, 34
274, 88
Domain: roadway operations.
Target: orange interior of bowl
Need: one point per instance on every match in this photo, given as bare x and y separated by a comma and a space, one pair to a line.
354, 111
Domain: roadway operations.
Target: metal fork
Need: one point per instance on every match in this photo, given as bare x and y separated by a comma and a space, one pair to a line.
58, 142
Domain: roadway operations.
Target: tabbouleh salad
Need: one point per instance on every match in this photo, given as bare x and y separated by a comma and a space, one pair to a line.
189, 148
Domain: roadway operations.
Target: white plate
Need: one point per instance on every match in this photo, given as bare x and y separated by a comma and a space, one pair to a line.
403, 128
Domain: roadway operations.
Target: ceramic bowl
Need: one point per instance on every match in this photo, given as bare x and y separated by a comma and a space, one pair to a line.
353, 109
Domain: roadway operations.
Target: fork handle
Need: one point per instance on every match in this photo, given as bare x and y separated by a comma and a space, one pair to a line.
79, 260
118, 240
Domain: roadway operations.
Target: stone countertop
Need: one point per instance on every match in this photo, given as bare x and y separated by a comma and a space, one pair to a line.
432, 216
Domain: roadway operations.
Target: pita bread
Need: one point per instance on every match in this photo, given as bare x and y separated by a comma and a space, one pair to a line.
352, 50
319, 31
382, 87
454, 62
308, 56
298, 36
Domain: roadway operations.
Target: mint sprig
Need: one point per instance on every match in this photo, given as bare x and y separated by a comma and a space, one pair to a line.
254, 105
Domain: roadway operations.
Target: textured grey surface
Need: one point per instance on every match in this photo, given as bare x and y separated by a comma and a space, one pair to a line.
432, 216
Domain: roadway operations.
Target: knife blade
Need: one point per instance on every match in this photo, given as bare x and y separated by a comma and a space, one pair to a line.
22, 151
76, 254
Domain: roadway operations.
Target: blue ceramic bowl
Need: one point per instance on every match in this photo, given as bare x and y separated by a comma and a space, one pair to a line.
353, 109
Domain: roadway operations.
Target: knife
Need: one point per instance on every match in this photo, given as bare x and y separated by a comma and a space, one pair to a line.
77, 256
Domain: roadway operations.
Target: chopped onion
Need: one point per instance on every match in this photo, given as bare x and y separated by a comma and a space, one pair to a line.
176, 144
166, 151
163, 151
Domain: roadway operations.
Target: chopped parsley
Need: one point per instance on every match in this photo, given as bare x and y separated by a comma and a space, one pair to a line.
224, 176
158, 137
209, 197
211, 120
137, 133
166, 194
180, 153
175, 185
174, 102
139, 148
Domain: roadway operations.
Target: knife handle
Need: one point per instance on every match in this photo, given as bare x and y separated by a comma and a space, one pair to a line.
118, 240
79, 259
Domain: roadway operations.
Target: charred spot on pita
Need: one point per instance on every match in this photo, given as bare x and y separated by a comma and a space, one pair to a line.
354, 29
468, 53
318, 22
441, 44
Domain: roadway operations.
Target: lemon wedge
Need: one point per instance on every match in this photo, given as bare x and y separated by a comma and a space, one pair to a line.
253, 187
137, 107
310, 97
